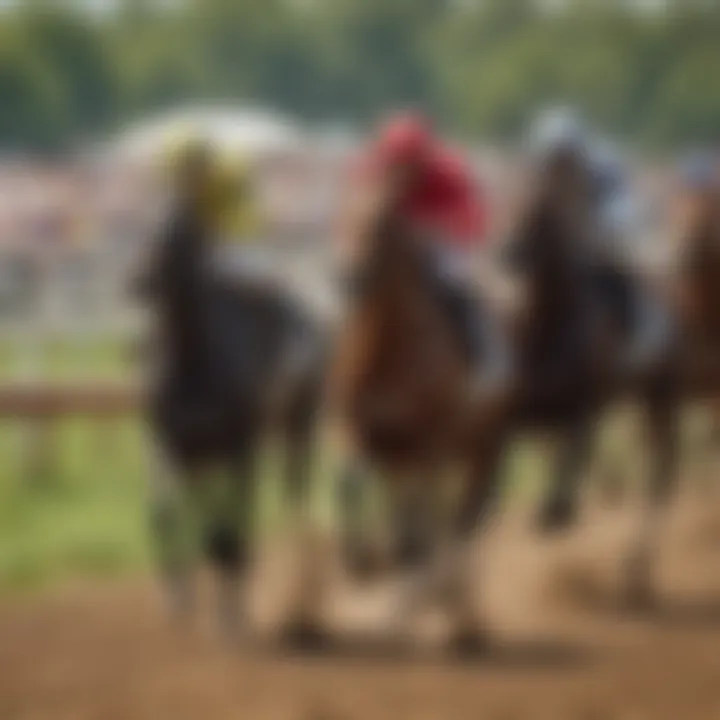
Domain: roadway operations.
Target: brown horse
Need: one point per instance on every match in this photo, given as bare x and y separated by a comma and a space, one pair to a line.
399, 389
696, 290
693, 283
691, 288
571, 337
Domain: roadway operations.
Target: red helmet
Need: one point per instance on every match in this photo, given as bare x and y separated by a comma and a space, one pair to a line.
404, 140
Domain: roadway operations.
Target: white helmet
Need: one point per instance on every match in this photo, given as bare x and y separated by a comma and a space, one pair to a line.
558, 129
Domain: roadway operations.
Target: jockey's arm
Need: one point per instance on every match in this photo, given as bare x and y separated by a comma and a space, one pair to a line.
465, 223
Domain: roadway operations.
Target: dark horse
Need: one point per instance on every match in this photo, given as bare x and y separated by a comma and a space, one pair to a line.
399, 393
231, 360
571, 334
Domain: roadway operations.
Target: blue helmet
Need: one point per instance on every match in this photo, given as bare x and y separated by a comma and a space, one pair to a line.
699, 171
559, 128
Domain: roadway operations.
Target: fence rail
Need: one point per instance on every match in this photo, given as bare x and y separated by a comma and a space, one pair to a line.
49, 401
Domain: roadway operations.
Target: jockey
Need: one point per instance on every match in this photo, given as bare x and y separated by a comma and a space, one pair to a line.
187, 164
219, 183
616, 217
612, 199
436, 193
220, 188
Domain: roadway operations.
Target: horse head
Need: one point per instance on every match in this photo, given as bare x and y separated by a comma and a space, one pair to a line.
557, 213
397, 361
391, 257
172, 283
547, 247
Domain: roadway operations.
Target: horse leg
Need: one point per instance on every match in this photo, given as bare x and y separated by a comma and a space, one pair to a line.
304, 628
559, 509
663, 431
611, 473
167, 522
349, 497
477, 503
411, 524
449, 577
299, 439
228, 540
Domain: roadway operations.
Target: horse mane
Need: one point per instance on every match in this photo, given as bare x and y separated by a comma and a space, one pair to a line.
541, 239
396, 339
698, 265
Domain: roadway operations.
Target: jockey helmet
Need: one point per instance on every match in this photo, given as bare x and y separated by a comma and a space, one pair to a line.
699, 171
404, 140
230, 201
607, 169
187, 153
558, 129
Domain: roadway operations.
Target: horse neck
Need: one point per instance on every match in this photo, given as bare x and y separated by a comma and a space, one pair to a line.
185, 332
703, 273
554, 263
184, 309
405, 324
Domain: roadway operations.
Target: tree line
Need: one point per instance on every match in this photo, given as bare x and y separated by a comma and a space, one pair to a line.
482, 67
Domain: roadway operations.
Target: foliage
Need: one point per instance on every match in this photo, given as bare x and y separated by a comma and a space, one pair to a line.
482, 66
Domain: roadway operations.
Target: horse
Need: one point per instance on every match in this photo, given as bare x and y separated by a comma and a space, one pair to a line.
692, 282
695, 280
230, 362
398, 398
570, 335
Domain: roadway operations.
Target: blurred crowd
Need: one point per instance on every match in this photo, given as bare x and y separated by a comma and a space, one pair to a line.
79, 221
75, 221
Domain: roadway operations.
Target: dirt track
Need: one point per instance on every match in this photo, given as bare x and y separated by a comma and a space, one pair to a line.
563, 650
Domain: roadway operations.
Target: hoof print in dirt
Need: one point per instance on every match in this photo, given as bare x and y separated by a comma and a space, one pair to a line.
468, 645
640, 600
556, 519
305, 636
411, 555
364, 565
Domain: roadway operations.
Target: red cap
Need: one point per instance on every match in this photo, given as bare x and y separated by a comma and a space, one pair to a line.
404, 140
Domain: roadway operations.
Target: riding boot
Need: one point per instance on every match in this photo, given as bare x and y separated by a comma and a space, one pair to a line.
479, 339
649, 331
634, 316
463, 311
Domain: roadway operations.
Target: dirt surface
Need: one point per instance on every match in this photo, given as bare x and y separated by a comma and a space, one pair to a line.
561, 645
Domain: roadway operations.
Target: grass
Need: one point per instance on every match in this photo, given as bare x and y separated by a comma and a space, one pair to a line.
76, 506
78, 512
83, 511
57, 358
71, 494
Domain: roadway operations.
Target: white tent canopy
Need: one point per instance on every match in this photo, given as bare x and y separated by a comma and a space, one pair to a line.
256, 133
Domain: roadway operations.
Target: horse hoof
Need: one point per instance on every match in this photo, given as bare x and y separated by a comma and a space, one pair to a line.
468, 644
225, 549
305, 636
640, 599
364, 565
556, 518
411, 555
612, 491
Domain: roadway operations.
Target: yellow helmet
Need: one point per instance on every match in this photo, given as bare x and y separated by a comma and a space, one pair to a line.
230, 176
230, 202
185, 150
